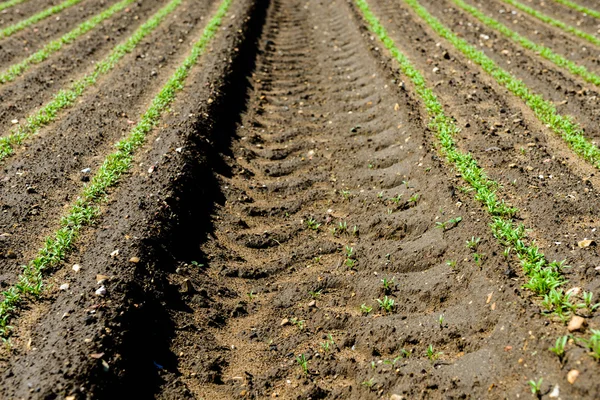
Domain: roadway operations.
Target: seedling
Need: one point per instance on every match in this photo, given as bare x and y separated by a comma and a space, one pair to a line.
414, 198
346, 194
478, 258
451, 264
298, 322
349, 251
387, 304
303, 362
365, 309
328, 344
350, 263
369, 384
311, 223
251, 295
506, 253
473, 243
380, 195
397, 199
315, 294
342, 227
196, 264
559, 347
432, 354
536, 387
441, 320
587, 302
388, 284
355, 230
451, 223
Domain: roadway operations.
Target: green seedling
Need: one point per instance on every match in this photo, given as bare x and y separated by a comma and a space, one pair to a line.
587, 302
559, 347
388, 284
441, 320
328, 344
473, 243
380, 195
355, 230
432, 354
451, 264
315, 294
387, 304
414, 198
369, 384
536, 387
478, 258
251, 295
300, 323
311, 223
303, 362
346, 194
448, 224
342, 227
349, 251
197, 264
365, 309
397, 199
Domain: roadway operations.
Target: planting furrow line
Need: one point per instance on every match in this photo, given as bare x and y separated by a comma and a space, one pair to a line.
580, 8
10, 3
19, 26
545, 277
543, 51
544, 110
259, 270
66, 97
54, 46
85, 210
554, 22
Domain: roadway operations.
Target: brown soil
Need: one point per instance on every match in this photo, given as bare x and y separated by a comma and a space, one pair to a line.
296, 116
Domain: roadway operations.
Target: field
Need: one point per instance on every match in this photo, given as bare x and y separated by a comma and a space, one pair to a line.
299, 199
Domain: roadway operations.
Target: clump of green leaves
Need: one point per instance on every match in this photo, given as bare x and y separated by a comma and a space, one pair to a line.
365, 309
559, 347
328, 344
451, 223
388, 284
536, 387
432, 354
387, 304
311, 223
303, 362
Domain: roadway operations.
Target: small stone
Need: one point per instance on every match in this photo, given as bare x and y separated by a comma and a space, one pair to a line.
86, 170
76, 267
134, 260
64, 286
187, 287
555, 393
396, 397
312, 304
101, 291
97, 355
285, 322
575, 323
572, 376
70, 398
114, 253
15, 121
101, 278
585, 243
31, 189
574, 291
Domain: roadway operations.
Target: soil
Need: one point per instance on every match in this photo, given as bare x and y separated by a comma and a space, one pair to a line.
295, 142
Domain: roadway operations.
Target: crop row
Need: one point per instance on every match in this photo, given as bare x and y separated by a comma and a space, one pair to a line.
544, 278
84, 211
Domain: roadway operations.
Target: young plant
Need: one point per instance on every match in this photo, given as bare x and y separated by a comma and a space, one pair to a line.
559, 347
328, 344
441, 320
587, 302
311, 223
369, 384
298, 322
451, 223
387, 304
303, 362
397, 199
346, 194
388, 284
478, 258
251, 295
432, 354
315, 294
473, 243
365, 309
451, 264
536, 387
414, 198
